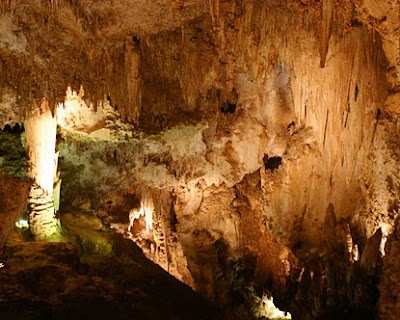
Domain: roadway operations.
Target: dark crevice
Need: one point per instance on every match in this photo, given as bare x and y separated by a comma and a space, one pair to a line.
17, 128
272, 163
228, 107
378, 114
356, 93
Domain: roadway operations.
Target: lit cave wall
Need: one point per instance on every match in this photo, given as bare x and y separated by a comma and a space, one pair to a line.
248, 148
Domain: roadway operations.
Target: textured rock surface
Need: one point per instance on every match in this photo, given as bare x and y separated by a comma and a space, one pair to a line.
261, 135
51, 281
13, 199
388, 305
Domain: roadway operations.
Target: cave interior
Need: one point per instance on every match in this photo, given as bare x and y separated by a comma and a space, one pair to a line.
199, 159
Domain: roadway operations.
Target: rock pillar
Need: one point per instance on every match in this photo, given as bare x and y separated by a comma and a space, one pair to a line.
41, 129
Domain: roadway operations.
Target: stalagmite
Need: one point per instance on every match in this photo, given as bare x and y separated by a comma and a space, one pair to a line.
40, 129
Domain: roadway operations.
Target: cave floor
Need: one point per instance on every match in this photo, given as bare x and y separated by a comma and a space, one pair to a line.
97, 275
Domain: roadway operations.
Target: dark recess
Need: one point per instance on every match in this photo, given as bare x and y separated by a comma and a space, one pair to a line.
356, 93
136, 40
228, 107
16, 129
272, 163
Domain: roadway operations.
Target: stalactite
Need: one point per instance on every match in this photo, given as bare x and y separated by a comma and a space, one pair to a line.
55, 4
133, 78
328, 8
214, 12
146, 210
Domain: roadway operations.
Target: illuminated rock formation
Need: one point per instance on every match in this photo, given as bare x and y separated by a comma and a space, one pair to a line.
41, 127
247, 147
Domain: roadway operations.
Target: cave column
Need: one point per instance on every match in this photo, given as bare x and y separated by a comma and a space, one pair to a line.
41, 128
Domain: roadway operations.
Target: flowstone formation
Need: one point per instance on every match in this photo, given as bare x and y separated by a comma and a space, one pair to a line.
249, 148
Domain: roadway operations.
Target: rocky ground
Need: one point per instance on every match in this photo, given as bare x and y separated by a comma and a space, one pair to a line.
102, 276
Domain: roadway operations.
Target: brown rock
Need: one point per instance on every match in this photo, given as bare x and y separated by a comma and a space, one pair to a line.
13, 196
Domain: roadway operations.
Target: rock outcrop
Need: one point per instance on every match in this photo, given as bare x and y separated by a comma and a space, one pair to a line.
13, 200
61, 280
